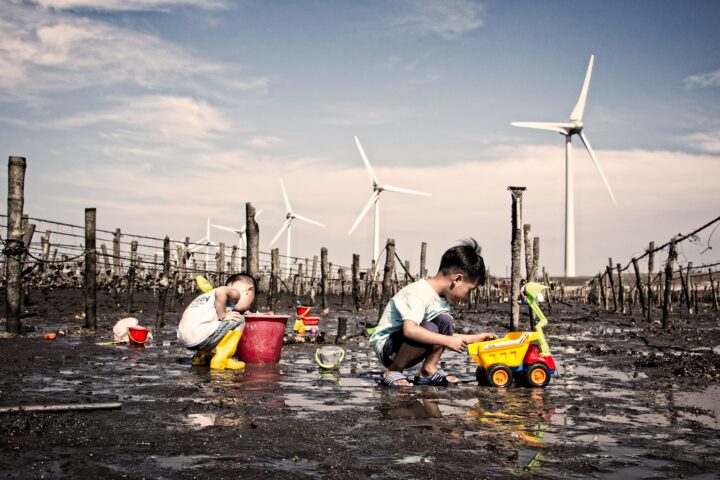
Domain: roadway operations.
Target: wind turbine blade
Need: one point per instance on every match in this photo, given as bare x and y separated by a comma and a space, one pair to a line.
370, 170
228, 229
373, 199
305, 219
390, 188
282, 229
577, 112
597, 164
554, 127
287, 202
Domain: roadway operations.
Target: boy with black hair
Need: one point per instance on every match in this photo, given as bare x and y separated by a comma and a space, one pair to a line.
416, 325
213, 321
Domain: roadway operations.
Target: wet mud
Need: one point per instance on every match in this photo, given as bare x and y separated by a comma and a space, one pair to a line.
630, 401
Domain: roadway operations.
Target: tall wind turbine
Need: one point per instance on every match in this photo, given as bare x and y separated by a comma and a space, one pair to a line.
240, 232
378, 188
290, 216
574, 126
205, 241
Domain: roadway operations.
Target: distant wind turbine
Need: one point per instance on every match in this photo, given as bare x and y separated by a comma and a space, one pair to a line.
573, 127
375, 200
290, 216
206, 242
240, 232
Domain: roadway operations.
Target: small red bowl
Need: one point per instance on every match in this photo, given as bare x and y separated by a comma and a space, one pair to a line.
311, 321
138, 334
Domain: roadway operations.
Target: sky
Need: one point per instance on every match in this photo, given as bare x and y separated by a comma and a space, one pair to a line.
161, 113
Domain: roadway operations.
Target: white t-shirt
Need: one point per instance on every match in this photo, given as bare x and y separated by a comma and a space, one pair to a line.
417, 302
199, 320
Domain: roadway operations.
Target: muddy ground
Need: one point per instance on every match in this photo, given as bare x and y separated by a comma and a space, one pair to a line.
630, 401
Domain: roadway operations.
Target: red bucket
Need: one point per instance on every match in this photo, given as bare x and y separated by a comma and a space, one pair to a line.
302, 312
262, 339
309, 321
138, 334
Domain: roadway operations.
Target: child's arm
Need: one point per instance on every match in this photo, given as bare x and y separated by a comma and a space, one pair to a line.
224, 296
415, 332
480, 337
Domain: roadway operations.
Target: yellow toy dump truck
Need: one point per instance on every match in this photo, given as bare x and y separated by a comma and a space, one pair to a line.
518, 355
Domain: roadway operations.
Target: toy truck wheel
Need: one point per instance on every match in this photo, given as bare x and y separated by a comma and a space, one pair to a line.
537, 375
500, 376
481, 375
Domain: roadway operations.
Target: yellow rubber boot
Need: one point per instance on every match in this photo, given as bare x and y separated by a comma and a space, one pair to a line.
225, 350
201, 359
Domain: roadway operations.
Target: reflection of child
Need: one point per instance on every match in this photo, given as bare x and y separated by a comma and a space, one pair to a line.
416, 325
213, 321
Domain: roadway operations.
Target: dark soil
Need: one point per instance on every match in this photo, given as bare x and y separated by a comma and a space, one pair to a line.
630, 401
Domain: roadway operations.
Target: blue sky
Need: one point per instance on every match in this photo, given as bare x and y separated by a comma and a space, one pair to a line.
161, 113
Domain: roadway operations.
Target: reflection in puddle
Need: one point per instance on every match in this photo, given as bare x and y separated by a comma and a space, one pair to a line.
410, 459
202, 420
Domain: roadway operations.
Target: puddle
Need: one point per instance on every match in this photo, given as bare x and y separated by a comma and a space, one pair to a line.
410, 459
203, 420
182, 462
707, 400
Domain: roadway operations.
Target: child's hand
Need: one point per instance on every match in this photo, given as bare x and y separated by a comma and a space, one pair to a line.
487, 336
232, 316
456, 344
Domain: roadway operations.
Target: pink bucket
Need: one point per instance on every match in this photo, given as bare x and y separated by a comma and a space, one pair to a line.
302, 312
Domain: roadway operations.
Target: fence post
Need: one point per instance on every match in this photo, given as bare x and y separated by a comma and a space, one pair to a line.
274, 275
164, 285
516, 221
621, 289
324, 274
639, 287
669, 265
609, 270
90, 270
221, 265
713, 291
423, 257
387, 275
535, 258
689, 288
131, 274
356, 281
14, 242
651, 267
528, 252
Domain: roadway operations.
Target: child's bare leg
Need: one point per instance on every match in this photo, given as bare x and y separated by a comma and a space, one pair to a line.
442, 324
406, 355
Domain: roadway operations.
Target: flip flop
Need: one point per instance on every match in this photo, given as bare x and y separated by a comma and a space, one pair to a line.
438, 379
391, 380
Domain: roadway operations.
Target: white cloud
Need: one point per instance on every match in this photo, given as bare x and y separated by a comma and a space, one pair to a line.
47, 51
447, 18
129, 5
265, 141
706, 141
702, 80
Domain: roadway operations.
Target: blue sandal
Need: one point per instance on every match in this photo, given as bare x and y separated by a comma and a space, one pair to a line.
391, 379
437, 379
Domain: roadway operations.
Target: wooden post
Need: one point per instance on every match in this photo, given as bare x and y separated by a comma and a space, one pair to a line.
341, 274
14, 243
713, 292
639, 287
528, 252
313, 276
116, 252
423, 257
341, 330
516, 221
621, 289
46, 247
356, 281
274, 276
233, 260
609, 270
164, 284
387, 275
669, 265
90, 283
535, 259
689, 289
324, 274
252, 234
651, 267
131, 274
221, 265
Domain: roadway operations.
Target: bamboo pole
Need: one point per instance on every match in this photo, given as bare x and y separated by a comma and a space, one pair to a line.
14, 243
90, 282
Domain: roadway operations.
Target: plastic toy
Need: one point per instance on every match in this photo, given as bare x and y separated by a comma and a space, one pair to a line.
518, 355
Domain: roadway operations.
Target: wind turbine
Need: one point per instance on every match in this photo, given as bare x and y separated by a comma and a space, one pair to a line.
574, 126
240, 232
378, 188
290, 217
206, 242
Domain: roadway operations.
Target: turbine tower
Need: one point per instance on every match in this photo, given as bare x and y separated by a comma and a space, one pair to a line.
206, 242
378, 188
574, 126
240, 232
290, 216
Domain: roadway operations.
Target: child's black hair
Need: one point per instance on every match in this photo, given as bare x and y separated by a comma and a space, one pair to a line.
464, 258
241, 276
